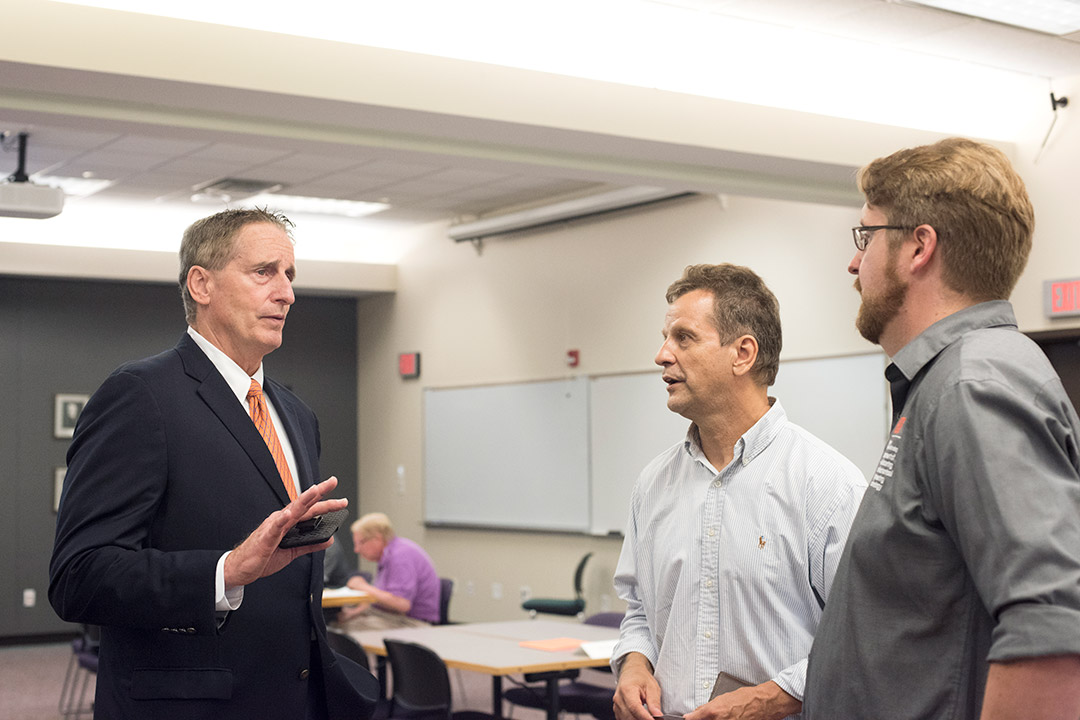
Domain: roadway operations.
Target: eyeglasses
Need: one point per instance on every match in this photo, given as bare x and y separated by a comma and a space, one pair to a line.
863, 233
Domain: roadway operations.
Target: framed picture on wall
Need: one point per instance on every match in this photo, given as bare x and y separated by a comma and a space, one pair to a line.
58, 487
66, 412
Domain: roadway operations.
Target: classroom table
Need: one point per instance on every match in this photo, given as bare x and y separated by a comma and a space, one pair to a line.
494, 649
340, 597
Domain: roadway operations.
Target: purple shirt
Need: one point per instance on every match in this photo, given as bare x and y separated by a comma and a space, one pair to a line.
406, 571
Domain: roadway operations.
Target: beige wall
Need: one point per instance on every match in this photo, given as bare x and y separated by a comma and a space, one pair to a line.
1053, 180
510, 313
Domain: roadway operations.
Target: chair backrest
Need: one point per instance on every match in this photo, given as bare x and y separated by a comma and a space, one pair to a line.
446, 589
91, 636
607, 619
345, 645
580, 573
421, 682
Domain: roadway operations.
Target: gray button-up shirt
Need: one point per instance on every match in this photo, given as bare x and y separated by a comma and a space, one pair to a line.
966, 548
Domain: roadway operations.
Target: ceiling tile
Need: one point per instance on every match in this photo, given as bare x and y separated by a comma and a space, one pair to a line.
888, 23
241, 155
51, 136
996, 45
114, 164
391, 169
149, 145
300, 168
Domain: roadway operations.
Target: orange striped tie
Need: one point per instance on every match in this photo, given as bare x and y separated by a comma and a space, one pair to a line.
261, 417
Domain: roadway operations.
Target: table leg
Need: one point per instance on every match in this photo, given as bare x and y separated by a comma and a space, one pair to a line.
380, 674
553, 697
496, 695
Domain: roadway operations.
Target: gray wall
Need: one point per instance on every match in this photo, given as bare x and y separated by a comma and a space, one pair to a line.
65, 337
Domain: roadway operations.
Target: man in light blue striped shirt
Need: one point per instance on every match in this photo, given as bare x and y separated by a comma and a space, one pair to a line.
735, 533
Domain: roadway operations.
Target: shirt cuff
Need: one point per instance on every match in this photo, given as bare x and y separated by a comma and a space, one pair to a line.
792, 680
1029, 629
627, 645
225, 600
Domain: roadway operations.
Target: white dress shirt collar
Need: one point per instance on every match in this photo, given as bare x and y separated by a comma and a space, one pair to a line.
238, 380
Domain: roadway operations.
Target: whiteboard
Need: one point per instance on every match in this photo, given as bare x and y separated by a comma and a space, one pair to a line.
630, 425
563, 455
508, 456
842, 400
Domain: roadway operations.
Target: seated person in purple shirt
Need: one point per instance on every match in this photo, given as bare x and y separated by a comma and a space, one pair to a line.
405, 588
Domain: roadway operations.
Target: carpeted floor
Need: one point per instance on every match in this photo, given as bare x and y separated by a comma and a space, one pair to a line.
31, 678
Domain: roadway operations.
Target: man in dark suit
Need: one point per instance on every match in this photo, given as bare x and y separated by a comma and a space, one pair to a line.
175, 503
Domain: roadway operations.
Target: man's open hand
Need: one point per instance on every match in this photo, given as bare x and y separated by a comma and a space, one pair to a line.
259, 555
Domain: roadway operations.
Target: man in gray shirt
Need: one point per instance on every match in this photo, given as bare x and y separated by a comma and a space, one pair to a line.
958, 592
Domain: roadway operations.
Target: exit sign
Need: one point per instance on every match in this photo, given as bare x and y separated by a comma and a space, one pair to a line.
1061, 298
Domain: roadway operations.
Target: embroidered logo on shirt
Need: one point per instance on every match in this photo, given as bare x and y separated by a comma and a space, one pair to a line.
885, 464
761, 542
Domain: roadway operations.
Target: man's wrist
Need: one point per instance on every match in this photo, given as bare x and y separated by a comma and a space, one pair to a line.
780, 702
225, 598
634, 661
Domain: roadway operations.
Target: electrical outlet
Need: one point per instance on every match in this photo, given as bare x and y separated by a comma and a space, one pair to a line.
496, 591
401, 479
526, 592
470, 588
29, 597
605, 603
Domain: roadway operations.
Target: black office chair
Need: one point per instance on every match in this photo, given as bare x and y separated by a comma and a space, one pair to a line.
345, 645
446, 589
554, 606
580, 698
422, 684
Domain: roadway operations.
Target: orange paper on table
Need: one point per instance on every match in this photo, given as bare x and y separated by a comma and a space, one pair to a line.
562, 644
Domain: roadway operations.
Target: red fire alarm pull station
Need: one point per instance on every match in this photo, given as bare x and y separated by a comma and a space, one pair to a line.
409, 365
573, 357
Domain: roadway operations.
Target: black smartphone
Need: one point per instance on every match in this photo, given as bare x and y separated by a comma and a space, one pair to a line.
314, 530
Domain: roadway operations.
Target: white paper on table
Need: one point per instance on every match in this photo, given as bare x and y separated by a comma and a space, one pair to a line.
343, 592
597, 649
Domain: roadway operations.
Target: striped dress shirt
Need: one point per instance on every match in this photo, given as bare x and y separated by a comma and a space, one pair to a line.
721, 570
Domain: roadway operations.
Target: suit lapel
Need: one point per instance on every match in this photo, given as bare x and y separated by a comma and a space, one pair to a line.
215, 392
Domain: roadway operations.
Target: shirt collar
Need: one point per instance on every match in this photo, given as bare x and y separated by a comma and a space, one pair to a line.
752, 443
914, 356
238, 380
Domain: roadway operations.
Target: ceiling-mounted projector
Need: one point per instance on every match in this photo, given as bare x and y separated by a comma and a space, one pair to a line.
26, 200
21, 198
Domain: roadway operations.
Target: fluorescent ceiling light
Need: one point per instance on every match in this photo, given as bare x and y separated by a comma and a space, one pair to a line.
570, 209
314, 205
1055, 17
73, 186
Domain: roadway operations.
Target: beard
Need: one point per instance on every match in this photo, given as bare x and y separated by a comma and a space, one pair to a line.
876, 311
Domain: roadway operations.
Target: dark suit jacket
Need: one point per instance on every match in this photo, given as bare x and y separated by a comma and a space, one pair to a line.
166, 472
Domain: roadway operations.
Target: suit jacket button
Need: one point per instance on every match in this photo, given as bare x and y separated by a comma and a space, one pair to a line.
304, 674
